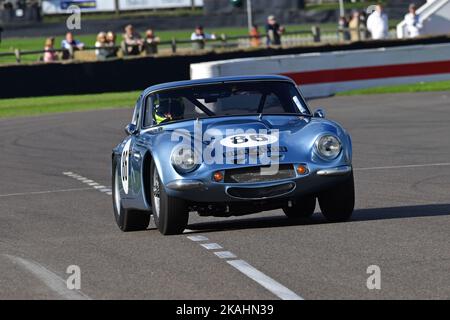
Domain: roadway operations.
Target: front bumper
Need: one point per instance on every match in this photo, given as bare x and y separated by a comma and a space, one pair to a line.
201, 191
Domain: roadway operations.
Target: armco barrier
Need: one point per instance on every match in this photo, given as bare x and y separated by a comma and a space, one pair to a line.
323, 74
138, 73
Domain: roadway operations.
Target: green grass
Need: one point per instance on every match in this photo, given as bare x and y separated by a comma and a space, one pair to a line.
58, 104
20, 107
403, 88
37, 43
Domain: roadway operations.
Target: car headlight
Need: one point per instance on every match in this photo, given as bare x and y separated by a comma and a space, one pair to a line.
328, 147
183, 159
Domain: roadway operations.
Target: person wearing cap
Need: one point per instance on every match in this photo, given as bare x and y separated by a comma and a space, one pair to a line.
273, 31
413, 22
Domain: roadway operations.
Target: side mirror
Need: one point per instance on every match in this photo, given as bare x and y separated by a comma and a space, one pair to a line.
319, 113
130, 129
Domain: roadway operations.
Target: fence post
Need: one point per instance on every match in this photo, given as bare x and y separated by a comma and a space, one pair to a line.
174, 45
315, 33
71, 52
223, 38
18, 55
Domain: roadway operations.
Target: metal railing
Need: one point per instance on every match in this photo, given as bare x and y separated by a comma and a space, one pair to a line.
222, 42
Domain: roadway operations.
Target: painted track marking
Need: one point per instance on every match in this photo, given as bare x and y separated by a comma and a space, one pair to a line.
42, 192
211, 246
273, 286
50, 279
93, 185
245, 268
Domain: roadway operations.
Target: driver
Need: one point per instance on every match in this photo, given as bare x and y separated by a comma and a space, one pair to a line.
168, 110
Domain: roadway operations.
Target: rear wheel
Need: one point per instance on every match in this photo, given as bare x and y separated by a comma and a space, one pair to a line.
171, 214
302, 207
126, 219
337, 203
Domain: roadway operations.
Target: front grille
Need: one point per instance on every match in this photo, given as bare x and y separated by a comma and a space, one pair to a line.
261, 193
253, 174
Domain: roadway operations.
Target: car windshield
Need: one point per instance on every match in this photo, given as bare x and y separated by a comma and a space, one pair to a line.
238, 98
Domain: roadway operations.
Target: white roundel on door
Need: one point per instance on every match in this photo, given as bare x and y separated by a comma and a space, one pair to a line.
247, 140
124, 166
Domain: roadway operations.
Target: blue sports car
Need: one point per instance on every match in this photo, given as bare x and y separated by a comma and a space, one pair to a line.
226, 147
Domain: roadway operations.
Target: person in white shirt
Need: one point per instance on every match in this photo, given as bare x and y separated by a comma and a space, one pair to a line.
377, 23
199, 38
413, 22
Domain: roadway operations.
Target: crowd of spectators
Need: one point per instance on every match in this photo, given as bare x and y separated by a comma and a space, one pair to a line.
359, 26
375, 26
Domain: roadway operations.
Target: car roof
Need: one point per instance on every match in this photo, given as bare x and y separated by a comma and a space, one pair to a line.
186, 83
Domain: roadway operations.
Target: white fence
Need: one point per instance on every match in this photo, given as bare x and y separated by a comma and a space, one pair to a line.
323, 74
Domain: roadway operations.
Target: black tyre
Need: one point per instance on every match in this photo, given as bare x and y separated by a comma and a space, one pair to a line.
302, 207
171, 215
337, 203
126, 219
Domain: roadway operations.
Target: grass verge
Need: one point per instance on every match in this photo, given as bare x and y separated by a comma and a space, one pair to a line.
21, 107
403, 88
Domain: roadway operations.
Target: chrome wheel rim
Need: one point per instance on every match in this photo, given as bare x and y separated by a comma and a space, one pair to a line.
156, 193
117, 198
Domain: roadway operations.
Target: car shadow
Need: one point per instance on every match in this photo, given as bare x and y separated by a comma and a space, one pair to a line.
402, 212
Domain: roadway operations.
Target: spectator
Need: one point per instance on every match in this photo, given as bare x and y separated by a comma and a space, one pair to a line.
255, 37
413, 22
377, 23
365, 34
71, 45
199, 37
49, 55
354, 26
273, 31
101, 47
111, 44
132, 42
343, 28
151, 42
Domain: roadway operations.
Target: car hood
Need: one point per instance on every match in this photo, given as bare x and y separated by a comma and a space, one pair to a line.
293, 132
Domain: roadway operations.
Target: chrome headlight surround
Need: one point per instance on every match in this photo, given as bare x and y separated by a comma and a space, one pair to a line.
328, 146
183, 159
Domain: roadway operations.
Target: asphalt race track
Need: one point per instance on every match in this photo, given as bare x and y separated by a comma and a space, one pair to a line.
49, 220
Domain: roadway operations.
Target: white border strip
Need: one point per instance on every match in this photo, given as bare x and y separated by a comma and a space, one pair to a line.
273, 286
50, 279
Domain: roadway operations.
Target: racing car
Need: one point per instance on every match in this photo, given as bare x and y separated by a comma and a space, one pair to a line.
226, 147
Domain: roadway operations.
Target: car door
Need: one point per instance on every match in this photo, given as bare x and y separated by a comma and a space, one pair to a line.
130, 157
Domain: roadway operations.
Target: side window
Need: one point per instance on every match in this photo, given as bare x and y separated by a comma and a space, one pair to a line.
148, 117
135, 119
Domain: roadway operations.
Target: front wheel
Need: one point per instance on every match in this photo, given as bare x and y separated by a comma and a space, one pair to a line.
302, 207
337, 203
170, 214
126, 219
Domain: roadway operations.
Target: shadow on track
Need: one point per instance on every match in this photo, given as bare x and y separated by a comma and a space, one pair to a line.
359, 215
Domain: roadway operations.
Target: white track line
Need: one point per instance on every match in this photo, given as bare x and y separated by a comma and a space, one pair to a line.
198, 238
43, 192
225, 255
267, 282
244, 267
405, 166
93, 185
211, 246
50, 279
